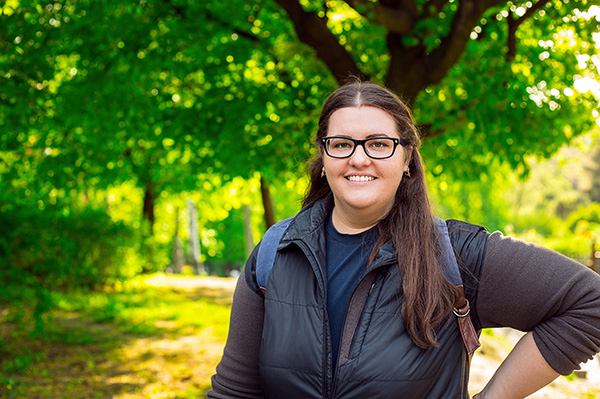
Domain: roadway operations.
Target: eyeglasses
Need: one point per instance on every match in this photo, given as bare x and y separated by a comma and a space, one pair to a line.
375, 147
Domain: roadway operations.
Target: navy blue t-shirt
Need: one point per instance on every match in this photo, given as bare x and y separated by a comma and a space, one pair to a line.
347, 256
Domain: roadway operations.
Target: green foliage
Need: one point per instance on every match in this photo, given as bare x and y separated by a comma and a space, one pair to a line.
53, 249
552, 206
58, 248
590, 215
103, 102
475, 201
489, 107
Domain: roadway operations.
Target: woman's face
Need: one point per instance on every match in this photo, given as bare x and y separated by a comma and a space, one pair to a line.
360, 183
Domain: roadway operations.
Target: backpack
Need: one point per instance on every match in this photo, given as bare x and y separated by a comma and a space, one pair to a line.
267, 252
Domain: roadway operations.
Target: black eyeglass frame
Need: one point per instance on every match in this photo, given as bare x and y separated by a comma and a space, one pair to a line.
356, 142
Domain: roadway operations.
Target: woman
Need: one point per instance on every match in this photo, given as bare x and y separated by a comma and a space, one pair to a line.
367, 217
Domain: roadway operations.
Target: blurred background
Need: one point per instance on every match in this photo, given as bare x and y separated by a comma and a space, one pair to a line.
145, 147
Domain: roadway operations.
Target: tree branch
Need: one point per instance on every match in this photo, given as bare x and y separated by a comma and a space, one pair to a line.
180, 11
412, 68
399, 18
513, 25
313, 31
434, 5
7, 103
425, 131
452, 46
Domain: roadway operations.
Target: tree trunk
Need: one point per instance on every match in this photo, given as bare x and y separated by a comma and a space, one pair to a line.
193, 237
177, 260
248, 241
267, 203
148, 211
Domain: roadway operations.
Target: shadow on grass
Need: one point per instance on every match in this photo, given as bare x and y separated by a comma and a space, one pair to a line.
136, 342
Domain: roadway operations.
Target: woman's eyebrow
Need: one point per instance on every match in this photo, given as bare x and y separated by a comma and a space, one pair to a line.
378, 135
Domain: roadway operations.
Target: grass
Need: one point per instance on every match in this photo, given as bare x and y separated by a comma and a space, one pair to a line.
153, 337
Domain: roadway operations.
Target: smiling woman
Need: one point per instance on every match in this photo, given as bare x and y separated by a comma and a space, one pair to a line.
363, 187
360, 302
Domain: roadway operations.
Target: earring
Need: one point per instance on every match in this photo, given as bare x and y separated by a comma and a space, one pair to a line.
323, 172
407, 172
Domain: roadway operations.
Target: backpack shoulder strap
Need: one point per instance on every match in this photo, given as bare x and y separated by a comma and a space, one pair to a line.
265, 259
447, 258
461, 306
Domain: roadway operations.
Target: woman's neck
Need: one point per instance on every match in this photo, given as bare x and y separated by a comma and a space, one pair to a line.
354, 221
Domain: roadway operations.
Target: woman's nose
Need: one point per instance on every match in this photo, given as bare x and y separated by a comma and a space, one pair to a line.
360, 157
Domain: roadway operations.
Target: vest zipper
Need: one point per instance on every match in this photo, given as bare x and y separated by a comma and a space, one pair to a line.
326, 333
344, 330
331, 384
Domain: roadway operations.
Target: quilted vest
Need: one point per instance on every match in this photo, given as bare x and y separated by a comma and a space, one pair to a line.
295, 358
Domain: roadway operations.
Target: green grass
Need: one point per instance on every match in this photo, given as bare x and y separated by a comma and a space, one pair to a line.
157, 336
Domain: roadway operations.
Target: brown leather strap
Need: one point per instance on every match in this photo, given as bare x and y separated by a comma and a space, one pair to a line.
355, 309
465, 325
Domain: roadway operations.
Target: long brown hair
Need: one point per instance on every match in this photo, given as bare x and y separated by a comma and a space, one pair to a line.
428, 296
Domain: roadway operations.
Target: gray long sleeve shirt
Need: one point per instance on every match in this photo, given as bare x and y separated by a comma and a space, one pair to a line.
520, 285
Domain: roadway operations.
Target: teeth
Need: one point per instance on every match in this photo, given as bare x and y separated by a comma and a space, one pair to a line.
360, 178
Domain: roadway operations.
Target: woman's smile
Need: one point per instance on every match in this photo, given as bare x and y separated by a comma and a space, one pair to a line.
357, 178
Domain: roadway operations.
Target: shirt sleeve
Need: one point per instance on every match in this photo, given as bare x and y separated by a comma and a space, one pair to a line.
531, 288
237, 374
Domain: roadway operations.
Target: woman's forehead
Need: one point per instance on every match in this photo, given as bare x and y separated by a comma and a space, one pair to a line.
361, 121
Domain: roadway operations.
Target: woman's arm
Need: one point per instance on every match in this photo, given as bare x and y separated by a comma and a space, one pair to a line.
531, 288
237, 374
523, 372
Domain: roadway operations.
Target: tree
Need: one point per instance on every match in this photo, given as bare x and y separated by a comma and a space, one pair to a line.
105, 92
162, 93
495, 78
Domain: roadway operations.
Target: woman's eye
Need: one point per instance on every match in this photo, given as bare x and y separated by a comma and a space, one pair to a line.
342, 145
379, 144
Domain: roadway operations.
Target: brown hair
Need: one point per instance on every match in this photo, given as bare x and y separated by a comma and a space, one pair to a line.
428, 295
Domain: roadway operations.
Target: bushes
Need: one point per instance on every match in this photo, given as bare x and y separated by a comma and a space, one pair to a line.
571, 237
585, 219
63, 251
59, 248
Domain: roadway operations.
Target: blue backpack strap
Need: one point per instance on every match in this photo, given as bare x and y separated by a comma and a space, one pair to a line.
461, 306
265, 259
447, 257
